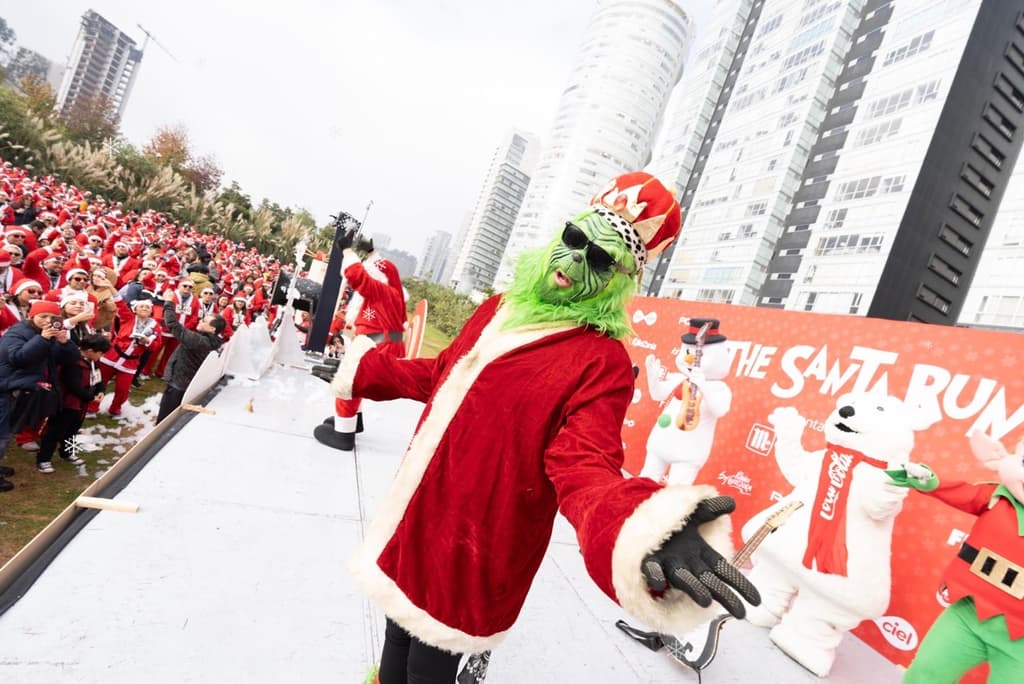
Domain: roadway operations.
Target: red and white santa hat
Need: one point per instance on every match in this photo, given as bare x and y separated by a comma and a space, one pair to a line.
5, 258
72, 296
20, 285
76, 271
642, 210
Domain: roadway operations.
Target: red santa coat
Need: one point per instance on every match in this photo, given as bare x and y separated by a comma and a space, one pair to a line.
32, 268
998, 529
379, 306
122, 266
188, 315
519, 424
125, 352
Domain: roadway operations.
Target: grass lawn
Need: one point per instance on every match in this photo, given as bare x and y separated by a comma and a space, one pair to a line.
37, 498
433, 342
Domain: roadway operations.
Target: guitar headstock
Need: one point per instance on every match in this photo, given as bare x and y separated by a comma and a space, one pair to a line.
779, 517
703, 333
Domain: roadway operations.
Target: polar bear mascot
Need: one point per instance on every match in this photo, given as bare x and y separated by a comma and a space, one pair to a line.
827, 568
681, 440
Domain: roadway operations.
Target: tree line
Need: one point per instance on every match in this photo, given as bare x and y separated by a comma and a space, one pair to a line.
83, 146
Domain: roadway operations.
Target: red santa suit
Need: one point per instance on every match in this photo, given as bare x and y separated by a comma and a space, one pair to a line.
122, 266
134, 336
378, 308
519, 424
10, 276
187, 313
33, 269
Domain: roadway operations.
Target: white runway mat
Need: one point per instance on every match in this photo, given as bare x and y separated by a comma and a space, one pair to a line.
235, 570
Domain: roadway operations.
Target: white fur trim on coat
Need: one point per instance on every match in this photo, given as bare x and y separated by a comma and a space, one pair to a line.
654, 521
348, 257
492, 343
341, 385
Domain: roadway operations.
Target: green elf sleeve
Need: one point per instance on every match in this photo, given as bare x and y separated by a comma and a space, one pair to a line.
914, 475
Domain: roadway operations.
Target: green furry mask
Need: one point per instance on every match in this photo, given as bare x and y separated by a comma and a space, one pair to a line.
560, 283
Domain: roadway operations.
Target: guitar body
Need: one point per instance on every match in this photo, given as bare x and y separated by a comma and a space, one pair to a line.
698, 647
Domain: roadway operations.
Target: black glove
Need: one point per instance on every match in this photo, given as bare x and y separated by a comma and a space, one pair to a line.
347, 239
326, 370
686, 562
364, 245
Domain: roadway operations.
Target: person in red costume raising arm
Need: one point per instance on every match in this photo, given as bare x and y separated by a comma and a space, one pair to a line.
377, 312
526, 406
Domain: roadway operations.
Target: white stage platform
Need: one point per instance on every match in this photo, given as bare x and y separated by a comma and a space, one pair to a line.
235, 570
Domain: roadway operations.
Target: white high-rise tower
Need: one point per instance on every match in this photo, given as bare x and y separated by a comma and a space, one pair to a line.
631, 58
103, 63
500, 198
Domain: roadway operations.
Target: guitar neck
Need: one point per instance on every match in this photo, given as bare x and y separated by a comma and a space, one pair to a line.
747, 550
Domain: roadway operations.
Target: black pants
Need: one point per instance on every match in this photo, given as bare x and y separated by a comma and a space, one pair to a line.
170, 401
407, 660
60, 430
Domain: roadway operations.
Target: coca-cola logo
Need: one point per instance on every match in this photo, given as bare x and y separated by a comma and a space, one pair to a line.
898, 632
838, 468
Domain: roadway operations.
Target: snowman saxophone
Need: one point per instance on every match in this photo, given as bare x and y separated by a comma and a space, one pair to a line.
689, 416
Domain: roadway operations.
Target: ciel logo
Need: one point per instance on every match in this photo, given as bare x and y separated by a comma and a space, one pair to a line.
648, 318
942, 596
898, 632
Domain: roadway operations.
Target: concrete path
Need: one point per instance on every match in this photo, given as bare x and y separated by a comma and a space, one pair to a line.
235, 570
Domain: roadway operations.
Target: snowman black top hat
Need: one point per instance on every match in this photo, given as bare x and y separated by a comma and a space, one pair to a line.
711, 336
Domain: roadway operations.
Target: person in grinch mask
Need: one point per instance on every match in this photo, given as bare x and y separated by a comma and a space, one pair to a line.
526, 405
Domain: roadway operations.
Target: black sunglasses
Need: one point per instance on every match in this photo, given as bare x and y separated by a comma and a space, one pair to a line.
601, 261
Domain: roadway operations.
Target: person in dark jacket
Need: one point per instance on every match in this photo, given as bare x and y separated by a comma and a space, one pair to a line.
192, 349
80, 384
29, 353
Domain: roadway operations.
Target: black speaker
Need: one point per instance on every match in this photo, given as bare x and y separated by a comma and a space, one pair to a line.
309, 292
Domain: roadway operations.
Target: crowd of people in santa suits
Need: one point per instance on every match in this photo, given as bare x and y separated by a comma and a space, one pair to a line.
105, 270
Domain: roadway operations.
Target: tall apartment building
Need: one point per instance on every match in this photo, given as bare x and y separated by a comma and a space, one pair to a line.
435, 256
500, 199
631, 57
996, 297
855, 158
103, 62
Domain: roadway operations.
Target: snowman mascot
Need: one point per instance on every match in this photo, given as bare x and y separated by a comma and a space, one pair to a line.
681, 439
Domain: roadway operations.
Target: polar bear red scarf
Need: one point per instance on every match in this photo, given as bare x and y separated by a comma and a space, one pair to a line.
826, 538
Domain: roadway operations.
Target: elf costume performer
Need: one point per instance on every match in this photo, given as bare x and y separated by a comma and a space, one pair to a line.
985, 581
522, 420
377, 312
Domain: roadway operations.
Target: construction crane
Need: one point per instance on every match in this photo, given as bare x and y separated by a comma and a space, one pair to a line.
149, 37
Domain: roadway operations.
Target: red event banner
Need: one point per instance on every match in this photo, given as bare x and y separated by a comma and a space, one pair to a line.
961, 379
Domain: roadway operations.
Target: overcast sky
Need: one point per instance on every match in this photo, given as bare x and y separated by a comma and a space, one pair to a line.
328, 105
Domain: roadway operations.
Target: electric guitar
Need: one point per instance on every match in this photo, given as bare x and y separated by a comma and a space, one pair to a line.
689, 412
698, 647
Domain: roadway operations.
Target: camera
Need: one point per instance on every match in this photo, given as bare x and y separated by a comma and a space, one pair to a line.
57, 324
